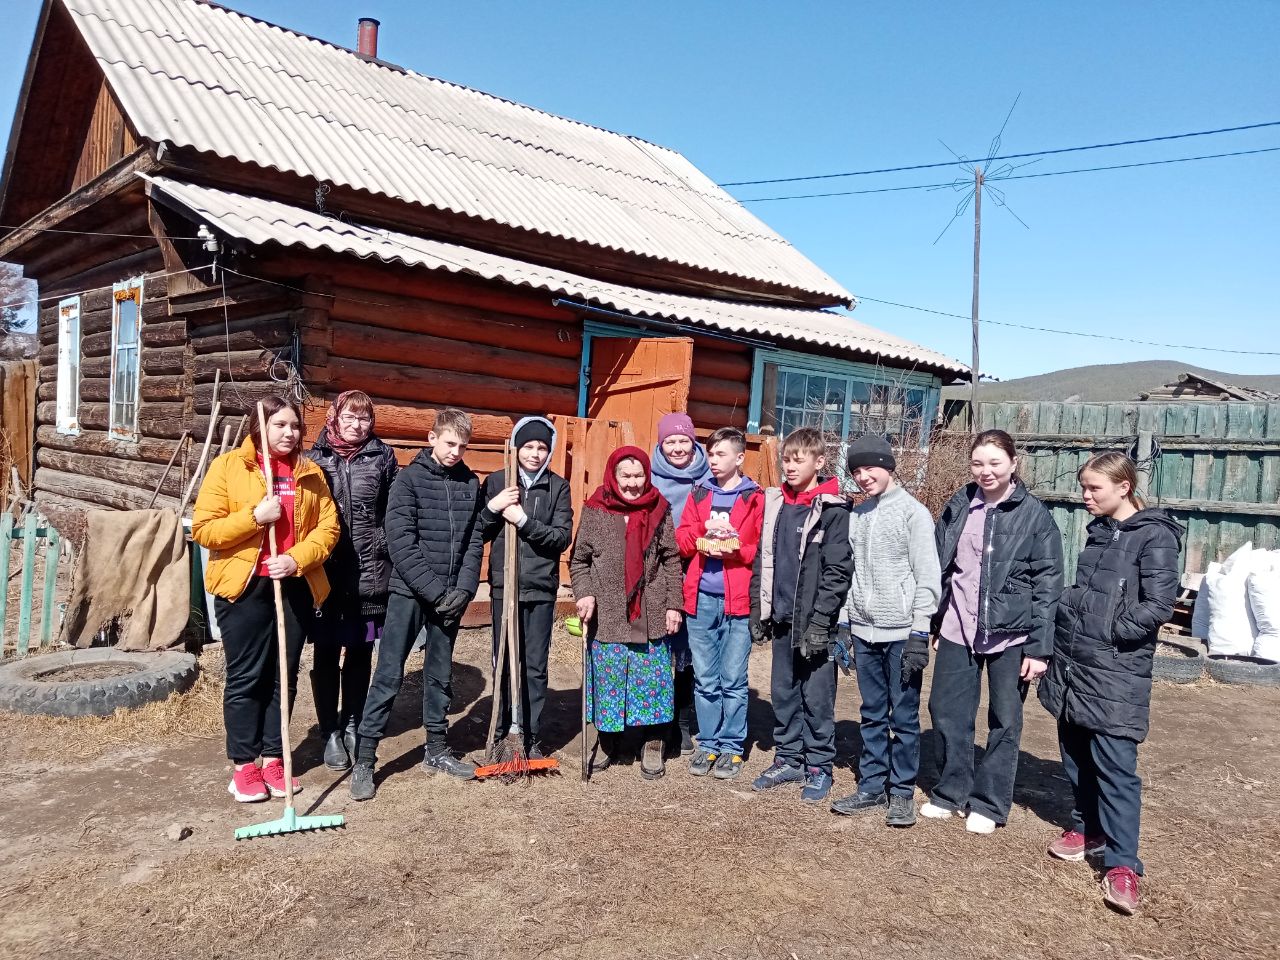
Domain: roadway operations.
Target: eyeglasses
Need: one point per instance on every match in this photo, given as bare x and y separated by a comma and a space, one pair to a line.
350, 420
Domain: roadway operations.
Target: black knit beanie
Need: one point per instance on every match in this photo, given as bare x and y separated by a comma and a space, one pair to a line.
533, 430
871, 451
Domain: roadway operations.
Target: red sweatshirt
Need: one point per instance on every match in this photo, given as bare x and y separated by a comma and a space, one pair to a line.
747, 517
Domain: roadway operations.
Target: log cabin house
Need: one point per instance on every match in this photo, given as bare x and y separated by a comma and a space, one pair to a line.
199, 193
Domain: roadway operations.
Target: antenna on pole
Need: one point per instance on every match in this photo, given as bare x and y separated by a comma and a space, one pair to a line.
978, 177
974, 193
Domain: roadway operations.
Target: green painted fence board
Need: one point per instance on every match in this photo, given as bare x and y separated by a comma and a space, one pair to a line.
47, 612
1243, 469
6, 543
29, 526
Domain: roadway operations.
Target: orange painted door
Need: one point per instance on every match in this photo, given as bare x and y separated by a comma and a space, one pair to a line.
639, 380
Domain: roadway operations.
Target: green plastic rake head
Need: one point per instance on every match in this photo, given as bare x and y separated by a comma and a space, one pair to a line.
289, 823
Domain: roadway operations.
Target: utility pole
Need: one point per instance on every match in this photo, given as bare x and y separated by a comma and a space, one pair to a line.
977, 247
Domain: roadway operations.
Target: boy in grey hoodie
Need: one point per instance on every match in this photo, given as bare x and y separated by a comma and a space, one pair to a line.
896, 587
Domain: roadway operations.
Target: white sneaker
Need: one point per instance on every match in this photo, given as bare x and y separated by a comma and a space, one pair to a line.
977, 823
935, 812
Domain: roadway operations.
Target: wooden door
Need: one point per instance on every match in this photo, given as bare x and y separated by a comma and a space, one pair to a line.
639, 380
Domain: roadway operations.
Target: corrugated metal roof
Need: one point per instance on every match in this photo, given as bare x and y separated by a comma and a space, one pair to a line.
209, 78
261, 221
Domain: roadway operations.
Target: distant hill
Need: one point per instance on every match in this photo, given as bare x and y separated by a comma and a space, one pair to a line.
1103, 381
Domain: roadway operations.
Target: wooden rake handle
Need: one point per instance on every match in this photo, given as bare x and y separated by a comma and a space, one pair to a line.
282, 644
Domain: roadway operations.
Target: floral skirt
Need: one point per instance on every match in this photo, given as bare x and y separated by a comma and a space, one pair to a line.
631, 685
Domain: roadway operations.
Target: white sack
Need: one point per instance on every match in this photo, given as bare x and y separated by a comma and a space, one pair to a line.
1263, 589
1231, 628
1200, 610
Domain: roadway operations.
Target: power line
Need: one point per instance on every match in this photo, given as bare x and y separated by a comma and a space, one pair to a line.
1007, 156
90, 233
1072, 333
1019, 176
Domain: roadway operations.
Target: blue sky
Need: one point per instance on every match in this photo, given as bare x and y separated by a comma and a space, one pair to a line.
1183, 254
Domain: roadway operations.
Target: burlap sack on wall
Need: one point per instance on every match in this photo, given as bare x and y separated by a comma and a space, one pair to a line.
134, 563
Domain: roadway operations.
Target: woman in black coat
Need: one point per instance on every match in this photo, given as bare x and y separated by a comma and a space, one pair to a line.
1099, 686
1001, 559
359, 468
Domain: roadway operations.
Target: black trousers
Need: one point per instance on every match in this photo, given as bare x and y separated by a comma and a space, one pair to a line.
340, 683
1103, 771
536, 617
803, 690
251, 698
953, 708
405, 618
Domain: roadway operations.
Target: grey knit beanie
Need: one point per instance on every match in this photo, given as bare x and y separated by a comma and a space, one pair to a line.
871, 451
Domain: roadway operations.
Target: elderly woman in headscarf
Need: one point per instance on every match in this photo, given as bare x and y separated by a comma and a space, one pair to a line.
625, 570
359, 468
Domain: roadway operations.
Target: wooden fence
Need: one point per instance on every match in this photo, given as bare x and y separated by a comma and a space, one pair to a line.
17, 422
1214, 465
33, 541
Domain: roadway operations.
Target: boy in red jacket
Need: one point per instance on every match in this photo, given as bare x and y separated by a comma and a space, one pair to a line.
719, 533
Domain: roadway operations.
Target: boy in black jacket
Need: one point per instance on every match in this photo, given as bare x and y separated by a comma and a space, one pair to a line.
541, 509
435, 540
798, 585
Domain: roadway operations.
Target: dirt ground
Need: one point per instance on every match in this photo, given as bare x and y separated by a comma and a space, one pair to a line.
618, 867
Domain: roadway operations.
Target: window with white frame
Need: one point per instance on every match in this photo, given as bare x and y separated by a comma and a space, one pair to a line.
126, 343
68, 407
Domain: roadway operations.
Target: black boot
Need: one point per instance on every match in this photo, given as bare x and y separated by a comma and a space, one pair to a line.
349, 736
336, 755
608, 746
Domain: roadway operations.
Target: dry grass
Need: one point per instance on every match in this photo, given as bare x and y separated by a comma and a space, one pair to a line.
621, 867
195, 714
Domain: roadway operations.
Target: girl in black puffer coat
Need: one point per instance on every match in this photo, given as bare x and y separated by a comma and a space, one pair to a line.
359, 468
1099, 685
1001, 559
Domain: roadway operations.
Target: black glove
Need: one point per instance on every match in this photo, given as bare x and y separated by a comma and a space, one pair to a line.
915, 657
452, 605
838, 650
816, 640
761, 631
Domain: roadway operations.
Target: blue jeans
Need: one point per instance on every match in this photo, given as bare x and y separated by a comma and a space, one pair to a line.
887, 705
720, 645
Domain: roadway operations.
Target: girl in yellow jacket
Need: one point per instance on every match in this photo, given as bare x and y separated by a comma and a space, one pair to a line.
231, 517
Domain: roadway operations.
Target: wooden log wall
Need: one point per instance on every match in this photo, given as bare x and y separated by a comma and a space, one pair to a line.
185, 339
720, 384
418, 344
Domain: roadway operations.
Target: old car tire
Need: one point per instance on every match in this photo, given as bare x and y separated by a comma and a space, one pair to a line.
1253, 670
30, 685
1177, 662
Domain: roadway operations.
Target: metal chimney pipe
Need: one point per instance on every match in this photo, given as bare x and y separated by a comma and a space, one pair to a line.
367, 37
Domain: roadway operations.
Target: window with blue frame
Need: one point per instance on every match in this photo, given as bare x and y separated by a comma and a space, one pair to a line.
843, 399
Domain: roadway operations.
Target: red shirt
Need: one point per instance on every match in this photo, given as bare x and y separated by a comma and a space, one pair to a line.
282, 477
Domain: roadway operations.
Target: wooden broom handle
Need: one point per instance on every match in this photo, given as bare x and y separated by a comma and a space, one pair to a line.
282, 644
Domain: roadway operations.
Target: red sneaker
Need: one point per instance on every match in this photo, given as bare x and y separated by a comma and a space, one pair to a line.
1120, 890
273, 774
247, 785
1075, 846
